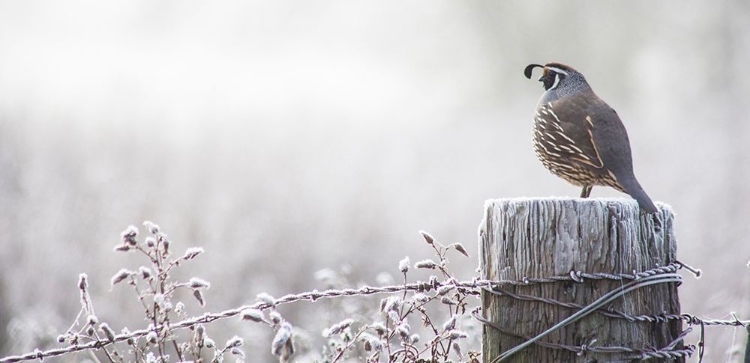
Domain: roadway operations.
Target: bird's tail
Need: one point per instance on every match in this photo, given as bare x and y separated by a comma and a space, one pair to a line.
636, 191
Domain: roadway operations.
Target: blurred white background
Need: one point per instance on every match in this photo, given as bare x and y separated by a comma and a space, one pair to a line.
285, 137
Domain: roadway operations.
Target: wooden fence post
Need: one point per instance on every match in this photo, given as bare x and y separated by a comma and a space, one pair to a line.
539, 238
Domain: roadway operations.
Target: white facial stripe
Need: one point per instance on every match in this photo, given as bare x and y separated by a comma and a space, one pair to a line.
557, 70
557, 81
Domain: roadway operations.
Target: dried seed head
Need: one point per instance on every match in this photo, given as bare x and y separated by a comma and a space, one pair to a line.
448, 301
234, 342
266, 298
199, 296
346, 335
121, 275
379, 328
130, 340
150, 242
371, 342
390, 303
104, 327
159, 299
393, 315
460, 248
152, 227
403, 330
238, 352
92, 320
403, 265
83, 282
150, 358
252, 315
421, 298
196, 283
275, 317
337, 328
165, 243
129, 234
451, 323
145, 272
61, 338
151, 337
90, 331
282, 345
457, 349
429, 264
427, 237
414, 338
456, 334
442, 290
122, 247
179, 308
192, 252
209, 343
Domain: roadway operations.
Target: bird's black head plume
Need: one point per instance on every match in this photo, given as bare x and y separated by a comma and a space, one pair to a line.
530, 68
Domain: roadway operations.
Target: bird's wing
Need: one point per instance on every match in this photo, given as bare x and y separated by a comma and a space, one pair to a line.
610, 138
575, 131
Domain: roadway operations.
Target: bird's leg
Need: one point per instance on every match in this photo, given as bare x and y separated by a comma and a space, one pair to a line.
586, 191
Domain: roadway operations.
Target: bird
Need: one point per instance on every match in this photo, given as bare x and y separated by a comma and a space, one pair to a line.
580, 138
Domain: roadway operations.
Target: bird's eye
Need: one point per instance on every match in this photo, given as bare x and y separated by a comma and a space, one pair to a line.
558, 76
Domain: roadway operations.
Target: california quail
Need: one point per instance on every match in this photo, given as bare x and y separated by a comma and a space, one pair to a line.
579, 138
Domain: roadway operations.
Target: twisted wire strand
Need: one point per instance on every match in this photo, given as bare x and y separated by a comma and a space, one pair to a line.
603, 300
608, 312
469, 287
636, 353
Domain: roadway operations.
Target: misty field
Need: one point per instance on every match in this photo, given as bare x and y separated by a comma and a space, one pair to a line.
305, 145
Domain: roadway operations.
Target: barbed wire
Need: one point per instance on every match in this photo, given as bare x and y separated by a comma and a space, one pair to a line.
641, 354
472, 287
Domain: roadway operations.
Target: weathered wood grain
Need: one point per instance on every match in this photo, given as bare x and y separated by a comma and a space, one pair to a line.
535, 238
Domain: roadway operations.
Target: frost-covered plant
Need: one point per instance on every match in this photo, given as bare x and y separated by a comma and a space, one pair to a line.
390, 337
417, 321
